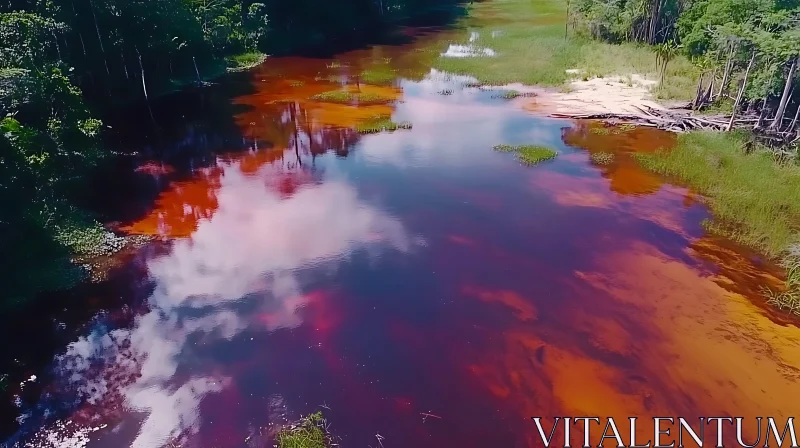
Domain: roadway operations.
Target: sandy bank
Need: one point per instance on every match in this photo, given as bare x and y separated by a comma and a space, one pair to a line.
616, 95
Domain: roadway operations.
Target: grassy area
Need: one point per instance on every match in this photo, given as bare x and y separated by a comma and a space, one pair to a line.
755, 200
528, 39
309, 432
346, 97
528, 154
378, 75
380, 124
244, 61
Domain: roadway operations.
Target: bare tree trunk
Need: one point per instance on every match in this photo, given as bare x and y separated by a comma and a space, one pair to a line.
656, 12
787, 87
794, 120
58, 47
741, 91
726, 75
144, 86
196, 71
99, 39
699, 94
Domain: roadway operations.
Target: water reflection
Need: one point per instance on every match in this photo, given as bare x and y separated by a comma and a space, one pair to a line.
289, 280
237, 271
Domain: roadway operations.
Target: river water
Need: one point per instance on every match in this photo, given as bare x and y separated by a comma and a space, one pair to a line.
419, 288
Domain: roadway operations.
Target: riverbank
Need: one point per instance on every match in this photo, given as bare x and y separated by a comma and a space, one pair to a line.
527, 46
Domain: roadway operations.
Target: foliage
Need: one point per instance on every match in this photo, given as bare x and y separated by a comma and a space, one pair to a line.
528, 154
380, 124
747, 191
531, 155
348, 97
309, 432
536, 51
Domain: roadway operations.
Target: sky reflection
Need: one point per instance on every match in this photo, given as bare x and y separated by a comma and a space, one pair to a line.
239, 266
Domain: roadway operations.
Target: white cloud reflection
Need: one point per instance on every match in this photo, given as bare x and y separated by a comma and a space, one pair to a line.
248, 251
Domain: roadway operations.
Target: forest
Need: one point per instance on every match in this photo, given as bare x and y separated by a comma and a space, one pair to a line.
746, 51
64, 63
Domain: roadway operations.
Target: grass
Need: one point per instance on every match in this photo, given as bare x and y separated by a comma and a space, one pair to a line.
754, 198
244, 61
612, 130
528, 154
309, 432
531, 155
380, 124
346, 97
602, 158
531, 49
378, 75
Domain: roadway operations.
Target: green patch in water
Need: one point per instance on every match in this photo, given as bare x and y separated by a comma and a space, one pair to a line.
297, 84
309, 432
345, 97
531, 155
528, 154
380, 124
378, 76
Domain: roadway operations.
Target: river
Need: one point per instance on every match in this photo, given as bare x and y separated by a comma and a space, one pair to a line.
418, 287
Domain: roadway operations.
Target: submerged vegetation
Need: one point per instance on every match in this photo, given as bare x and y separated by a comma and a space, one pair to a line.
602, 158
528, 154
381, 123
309, 432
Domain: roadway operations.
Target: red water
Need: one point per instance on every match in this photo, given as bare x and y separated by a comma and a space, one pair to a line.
421, 287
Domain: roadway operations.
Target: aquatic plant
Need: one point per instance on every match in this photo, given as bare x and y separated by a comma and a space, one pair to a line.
345, 97
528, 154
244, 61
297, 84
602, 158
510, 94
380, 124
531, 155
627, 127
378, 76
446, 92
309, 432
335, 64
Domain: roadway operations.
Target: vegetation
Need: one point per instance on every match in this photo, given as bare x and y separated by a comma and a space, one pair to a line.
754, 197
348, 97
602, 158
65, 62
378, 75
528, 154
531, 155
539, 53
309, 432
244, 60
380, 124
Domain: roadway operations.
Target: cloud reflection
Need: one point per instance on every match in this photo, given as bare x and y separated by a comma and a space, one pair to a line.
244, 256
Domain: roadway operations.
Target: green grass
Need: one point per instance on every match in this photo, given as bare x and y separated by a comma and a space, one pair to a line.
528, 154
309, 432
532, 49
754, 199
612, 130
380, 124
751, 193
531, 155
244, 61
345, 97
378, 75
602, 158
